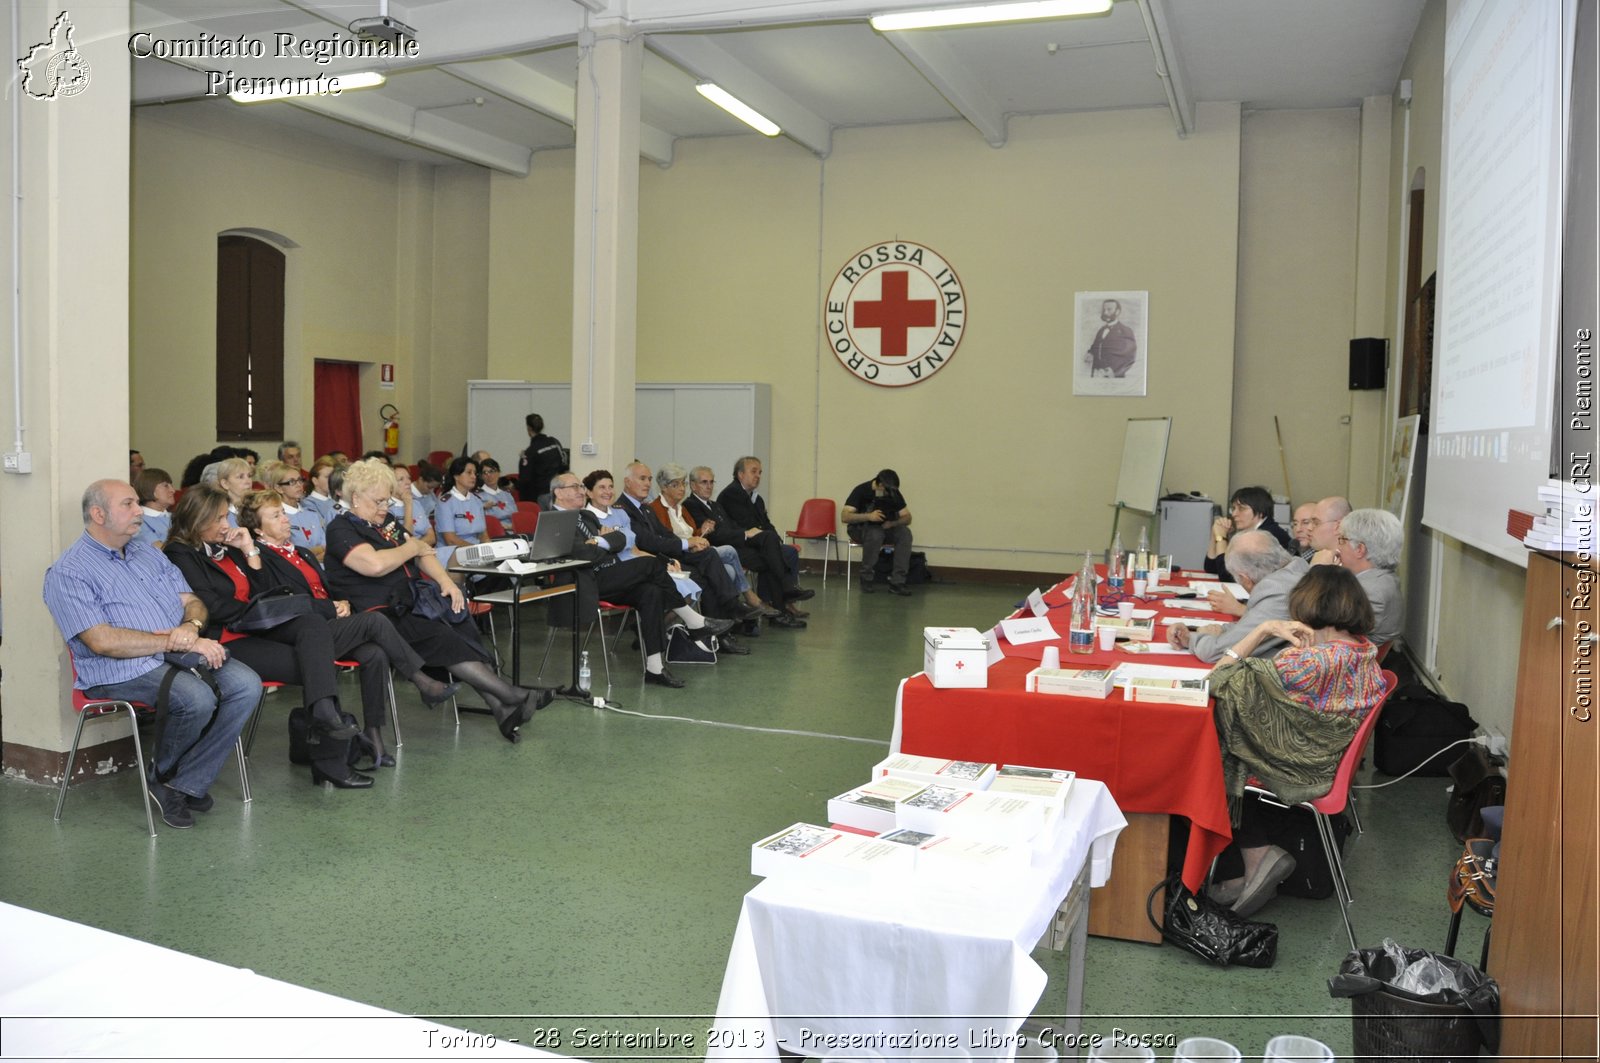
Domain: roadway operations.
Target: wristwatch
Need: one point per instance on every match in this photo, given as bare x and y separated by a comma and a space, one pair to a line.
199, 625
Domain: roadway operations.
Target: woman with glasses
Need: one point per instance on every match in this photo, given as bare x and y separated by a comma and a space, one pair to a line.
497, 501
308, 529
1249, 509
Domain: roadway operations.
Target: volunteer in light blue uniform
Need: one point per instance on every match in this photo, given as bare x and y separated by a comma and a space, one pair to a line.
458, 518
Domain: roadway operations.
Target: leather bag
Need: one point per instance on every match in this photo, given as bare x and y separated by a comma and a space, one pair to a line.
269, 609
1212, 932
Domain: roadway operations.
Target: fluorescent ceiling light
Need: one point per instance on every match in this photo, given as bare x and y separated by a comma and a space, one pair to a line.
972, 16
260, 90
738, 108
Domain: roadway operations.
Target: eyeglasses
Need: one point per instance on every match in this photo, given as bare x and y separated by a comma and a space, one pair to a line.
1350, 542
706, 480
288, 483
565, 487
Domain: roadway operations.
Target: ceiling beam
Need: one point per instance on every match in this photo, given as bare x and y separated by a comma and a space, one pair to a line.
556, 99
954, 81
395, 119
705, 60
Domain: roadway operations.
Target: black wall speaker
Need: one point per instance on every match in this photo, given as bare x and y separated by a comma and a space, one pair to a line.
1369, 364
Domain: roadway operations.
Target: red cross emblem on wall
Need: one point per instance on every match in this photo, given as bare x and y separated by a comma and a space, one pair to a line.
895, 314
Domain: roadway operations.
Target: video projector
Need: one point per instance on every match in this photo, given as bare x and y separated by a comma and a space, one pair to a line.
491, 552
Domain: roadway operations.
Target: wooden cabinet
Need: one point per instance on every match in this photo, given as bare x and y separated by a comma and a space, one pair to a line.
1543, 951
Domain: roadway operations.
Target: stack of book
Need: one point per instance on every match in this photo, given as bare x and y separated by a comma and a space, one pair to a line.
960, 861
967, 774
1568, 524
1170, 691
1004, 818
1077, 682
1047, 785
1136, 629
871, 807
825, 853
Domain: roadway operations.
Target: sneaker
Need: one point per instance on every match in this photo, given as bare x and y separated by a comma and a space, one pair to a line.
900, 589
174, 805
199, 804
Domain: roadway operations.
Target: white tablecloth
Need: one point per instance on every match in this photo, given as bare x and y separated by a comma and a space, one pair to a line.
897, 966
71, 990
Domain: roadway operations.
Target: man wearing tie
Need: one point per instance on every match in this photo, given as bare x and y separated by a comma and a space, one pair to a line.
1114, 345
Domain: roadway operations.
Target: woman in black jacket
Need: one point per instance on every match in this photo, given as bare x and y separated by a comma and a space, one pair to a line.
216, 559
369, 639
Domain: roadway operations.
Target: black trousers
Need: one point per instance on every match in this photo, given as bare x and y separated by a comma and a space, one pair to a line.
643, 583
763, 555
303, 650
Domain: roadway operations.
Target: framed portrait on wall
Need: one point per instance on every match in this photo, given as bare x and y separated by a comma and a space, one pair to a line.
1110, 354
1402, 459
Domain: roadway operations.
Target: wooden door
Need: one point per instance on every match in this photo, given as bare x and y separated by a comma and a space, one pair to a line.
1543, 952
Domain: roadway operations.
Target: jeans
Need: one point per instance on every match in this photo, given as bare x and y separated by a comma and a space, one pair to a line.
873, 540
190, 707
733, 567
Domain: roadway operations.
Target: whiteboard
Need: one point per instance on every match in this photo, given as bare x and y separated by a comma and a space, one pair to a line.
1144, 462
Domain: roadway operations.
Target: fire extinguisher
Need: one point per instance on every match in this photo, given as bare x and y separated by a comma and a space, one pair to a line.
391, 429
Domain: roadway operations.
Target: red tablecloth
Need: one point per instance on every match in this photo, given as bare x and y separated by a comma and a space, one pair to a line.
1154, 758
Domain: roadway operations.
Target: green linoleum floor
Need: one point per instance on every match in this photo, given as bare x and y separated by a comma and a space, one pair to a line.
596, 869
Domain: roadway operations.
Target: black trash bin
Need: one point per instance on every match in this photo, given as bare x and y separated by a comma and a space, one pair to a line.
1448, 1022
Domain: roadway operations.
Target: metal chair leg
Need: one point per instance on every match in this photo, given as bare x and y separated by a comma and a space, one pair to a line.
1341, 887
394, 706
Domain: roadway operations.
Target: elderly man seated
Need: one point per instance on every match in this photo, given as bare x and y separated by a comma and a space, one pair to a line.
1368, 545
1269, 573
122, 607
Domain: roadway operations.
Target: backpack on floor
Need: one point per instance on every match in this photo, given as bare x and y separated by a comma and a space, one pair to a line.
325, 751
1414, 729
918, 572
1295, 830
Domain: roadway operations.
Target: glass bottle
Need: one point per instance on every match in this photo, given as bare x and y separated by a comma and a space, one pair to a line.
1081, 633
1116, 565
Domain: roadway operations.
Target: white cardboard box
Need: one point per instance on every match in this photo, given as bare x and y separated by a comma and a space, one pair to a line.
955, 656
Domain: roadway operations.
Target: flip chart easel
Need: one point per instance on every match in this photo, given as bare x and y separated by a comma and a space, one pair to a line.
1144, 462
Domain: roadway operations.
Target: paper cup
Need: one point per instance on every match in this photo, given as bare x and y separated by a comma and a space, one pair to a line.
1200, 1049
1052, 657
1108, 638
1290, 1048
1138, 588
1125, 610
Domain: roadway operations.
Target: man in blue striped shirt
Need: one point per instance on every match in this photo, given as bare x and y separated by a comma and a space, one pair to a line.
121, 605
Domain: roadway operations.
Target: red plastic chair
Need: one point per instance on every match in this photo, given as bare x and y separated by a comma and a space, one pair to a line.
819, 522
1337, 799
441, 458
523, 521
493, 528
89, 708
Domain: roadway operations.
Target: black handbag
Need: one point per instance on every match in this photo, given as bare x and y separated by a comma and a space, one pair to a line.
1212, 932
428, 602
269, 609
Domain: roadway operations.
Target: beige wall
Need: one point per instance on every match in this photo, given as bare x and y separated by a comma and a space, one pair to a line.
1297, 270
384, 265
1478, 596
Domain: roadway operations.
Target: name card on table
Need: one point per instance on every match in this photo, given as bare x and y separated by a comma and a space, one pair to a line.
1036, 603
1019, 631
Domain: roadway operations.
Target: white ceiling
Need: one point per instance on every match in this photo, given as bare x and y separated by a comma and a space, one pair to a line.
494, 81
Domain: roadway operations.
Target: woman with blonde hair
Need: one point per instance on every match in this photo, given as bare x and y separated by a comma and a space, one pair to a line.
376, 564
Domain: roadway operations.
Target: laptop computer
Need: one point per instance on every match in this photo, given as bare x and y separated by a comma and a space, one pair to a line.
553, 535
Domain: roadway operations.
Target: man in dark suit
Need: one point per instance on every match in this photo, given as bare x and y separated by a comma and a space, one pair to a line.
1114, 346
739, 516
695, 553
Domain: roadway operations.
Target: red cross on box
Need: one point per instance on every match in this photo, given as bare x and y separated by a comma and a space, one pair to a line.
894, 314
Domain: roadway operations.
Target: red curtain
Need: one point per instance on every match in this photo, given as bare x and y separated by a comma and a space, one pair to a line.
338, 409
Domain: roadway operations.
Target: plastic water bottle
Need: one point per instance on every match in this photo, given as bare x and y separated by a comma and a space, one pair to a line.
584, 675
1141, 560
1080, 637
1116, 565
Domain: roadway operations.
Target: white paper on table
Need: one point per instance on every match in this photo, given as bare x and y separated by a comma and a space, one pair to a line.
1150, 647
1020, 631
1192, 576
1036, 603
1236, 590
1197, 604
993, 644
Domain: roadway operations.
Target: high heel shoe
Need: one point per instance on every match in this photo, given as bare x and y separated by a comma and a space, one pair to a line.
354, 781
444, 695
509, 724
367, 747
